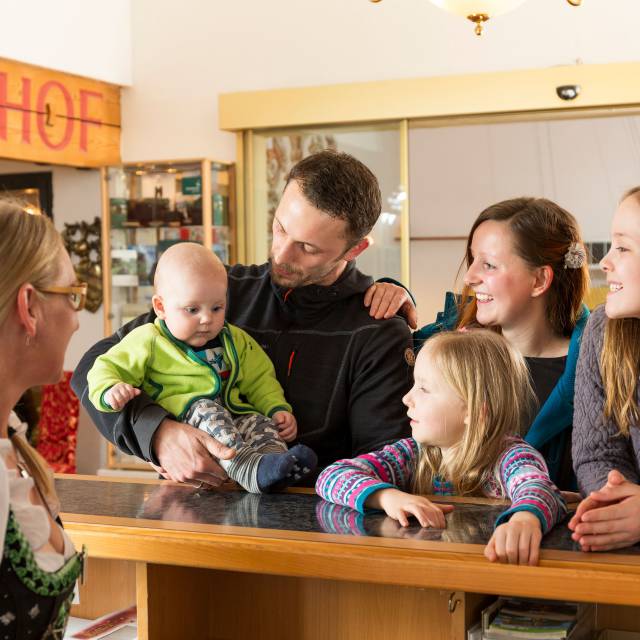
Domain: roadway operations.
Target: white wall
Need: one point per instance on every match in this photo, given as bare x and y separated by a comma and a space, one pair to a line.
185, 54
91, 39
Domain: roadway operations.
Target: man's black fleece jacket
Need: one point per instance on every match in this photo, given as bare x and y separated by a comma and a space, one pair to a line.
343, 372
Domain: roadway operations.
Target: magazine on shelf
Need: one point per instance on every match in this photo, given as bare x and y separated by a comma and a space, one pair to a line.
540, 609
528, 619
124, 267
108, 626
529, 627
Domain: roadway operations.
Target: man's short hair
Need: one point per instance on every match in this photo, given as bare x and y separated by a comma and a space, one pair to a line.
342, 187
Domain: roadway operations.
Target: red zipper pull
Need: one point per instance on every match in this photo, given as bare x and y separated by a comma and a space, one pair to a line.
291, 358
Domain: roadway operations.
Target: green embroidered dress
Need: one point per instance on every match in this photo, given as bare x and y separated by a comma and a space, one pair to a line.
33, 603
36, 583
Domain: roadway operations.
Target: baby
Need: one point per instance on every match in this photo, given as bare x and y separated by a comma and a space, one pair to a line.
206, 372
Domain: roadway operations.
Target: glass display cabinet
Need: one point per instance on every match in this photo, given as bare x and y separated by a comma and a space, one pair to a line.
149, 206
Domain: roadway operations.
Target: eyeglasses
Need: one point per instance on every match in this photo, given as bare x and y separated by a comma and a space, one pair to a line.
77, 293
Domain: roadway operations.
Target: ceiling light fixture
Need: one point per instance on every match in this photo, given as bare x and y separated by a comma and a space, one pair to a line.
479, 11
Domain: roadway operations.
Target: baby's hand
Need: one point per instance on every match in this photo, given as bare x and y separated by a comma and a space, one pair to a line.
399, 505
118, 395
516, 541
287, 425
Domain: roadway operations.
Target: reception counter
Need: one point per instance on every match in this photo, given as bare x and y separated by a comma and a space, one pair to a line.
227, 564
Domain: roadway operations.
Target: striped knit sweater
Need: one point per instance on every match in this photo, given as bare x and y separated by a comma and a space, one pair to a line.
520, 474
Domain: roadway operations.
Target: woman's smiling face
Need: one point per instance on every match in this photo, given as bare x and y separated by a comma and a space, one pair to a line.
622, 263
501, 280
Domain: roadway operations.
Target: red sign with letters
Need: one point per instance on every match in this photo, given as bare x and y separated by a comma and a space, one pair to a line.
46, 116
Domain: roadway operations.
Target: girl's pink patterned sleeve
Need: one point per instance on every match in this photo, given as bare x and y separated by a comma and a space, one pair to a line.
351, 481
526, 479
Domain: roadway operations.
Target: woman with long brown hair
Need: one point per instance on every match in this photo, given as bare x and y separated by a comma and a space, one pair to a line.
39, 300
526, 276
606, 437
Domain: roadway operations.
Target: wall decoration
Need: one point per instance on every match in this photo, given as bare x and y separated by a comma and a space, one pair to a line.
57, 429
83, 242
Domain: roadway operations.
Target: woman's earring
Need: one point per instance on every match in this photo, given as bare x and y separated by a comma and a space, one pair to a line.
28, 340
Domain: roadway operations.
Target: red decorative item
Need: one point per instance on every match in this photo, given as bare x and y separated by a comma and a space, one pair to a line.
58, 427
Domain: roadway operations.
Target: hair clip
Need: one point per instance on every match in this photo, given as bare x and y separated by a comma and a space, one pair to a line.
575, 257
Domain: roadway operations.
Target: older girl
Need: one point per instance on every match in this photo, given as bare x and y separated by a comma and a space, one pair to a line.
526, 276
470, 394
606, 437
39, 300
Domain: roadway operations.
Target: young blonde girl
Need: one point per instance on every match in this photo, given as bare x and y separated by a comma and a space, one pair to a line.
606, 438
471, 394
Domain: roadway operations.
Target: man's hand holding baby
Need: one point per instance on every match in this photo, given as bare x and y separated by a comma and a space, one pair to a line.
118, 395
287, 425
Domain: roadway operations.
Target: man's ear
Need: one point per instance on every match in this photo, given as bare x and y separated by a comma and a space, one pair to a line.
357, 249
26, 305
542, 281
158, 306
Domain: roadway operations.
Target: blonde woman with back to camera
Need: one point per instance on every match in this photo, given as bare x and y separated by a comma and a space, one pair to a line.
39, 301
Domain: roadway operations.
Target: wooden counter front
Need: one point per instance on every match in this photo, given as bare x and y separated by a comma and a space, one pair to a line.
227, 564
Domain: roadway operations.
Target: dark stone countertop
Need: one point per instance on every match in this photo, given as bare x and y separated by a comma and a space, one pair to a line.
300, 512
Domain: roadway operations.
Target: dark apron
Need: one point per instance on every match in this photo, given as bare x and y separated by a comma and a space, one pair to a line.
34, 603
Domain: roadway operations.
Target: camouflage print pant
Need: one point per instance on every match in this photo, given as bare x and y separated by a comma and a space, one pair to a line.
251, 435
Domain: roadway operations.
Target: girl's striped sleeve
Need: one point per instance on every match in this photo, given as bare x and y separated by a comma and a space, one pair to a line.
351, 481
525, 477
